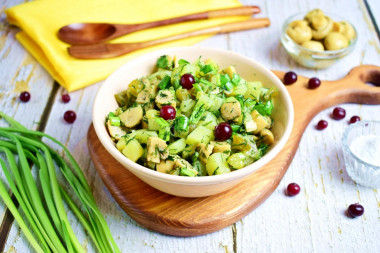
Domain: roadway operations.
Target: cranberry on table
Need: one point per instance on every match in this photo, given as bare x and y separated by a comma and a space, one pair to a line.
322, 124
187, 81
338, 113
69, 116
293, 189
223, 131
314, 82
25, 96
167, 112
290, 78
355, 210
65, 98
354, 119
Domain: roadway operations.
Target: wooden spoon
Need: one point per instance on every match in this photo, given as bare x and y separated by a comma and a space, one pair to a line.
97, 51
92, 33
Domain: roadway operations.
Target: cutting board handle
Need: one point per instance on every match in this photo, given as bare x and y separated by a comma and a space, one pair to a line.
365, 74
360, 85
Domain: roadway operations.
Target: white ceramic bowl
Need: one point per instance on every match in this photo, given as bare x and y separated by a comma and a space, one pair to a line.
251, 70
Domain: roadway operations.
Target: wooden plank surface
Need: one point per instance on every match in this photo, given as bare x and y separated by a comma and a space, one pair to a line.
313, 221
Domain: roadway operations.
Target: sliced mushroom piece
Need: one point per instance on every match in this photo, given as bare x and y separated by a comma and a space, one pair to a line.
132, 116
144, 96
165, 97
267, 136
269, 122
182, 163
221, 147
116, 132
157, 149
231, 110
205, 150
239, 143
261, 122
165, 166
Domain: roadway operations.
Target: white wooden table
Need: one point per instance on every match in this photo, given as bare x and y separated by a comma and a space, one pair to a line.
313, 221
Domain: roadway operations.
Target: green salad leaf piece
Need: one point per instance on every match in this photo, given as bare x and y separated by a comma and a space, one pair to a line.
164, 83
264, 109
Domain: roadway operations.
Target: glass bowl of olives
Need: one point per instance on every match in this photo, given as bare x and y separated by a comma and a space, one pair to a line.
316, 39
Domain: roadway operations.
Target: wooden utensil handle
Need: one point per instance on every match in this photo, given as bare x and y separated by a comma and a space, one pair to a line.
98, 51
224, 28
236, 11
244, 25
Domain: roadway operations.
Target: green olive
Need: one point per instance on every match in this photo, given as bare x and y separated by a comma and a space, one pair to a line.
313, 45
313, 13
335, 41
324, 28
299, 31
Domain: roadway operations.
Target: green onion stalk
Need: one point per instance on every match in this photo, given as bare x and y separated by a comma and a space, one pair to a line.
48, 231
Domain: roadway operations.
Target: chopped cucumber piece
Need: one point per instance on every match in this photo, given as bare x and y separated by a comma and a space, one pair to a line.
253, 90
181, 124
164, 83
217, 164
142, 135
164, 129
114, 121
133, 150
177, 146
200, 134
120, 145
237, 160
208, 120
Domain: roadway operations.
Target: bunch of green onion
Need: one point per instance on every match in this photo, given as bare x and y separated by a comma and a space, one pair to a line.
49, 229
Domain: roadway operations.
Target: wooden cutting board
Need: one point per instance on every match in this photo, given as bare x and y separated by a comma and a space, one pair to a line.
180, 216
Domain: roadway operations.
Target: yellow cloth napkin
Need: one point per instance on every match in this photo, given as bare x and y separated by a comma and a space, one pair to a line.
40, 20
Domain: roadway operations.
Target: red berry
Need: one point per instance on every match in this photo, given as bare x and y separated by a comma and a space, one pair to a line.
338, 113
69, 116
322, 124
354, 119
187, 81
25, 96
314, 83
223, 131
65, 98
355, 210
290, 78
293, 189
167, 112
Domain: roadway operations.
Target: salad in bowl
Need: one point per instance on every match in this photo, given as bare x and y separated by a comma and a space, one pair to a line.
193, 118
192, 142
